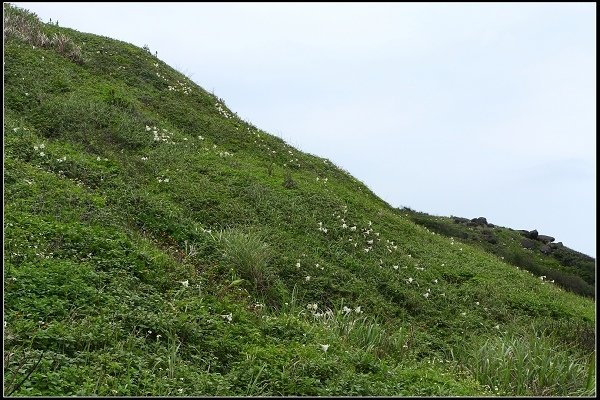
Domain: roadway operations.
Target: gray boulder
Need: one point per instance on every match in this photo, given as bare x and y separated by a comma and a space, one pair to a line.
546, 249
481, 221
545, 239
528, 243
533, 234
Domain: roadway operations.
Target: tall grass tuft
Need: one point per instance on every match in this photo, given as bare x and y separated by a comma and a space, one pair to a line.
529, 365
365, 333
249, 255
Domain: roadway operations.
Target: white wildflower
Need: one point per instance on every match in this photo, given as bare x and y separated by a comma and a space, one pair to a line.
358, 310
185, 283
346, 310
307, 278
324, 347
228, 317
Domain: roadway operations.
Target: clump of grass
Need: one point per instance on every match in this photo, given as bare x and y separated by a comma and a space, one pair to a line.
25, 26
249, 255
289, 182
364, 332
529, 365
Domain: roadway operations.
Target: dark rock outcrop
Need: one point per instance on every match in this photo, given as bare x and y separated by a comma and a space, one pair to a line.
533, 234
528, 243
459, 220
488, 236
546, 249
481, 221
545, 239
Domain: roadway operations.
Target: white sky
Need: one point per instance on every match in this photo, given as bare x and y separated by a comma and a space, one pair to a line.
465, 109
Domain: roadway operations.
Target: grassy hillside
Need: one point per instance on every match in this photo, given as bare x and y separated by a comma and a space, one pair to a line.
570, 269
156, 244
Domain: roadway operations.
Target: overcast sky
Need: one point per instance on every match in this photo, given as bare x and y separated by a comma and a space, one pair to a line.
448, 108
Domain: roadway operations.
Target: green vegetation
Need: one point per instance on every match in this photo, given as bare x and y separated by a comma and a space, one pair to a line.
567, 268
156, 244
529, 365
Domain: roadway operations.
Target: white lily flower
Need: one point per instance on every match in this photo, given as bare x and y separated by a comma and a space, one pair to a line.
228, 317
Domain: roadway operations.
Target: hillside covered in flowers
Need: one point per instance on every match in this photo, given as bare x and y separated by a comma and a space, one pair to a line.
155, 244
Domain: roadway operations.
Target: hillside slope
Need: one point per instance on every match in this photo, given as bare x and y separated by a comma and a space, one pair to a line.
539, 254
156, 244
